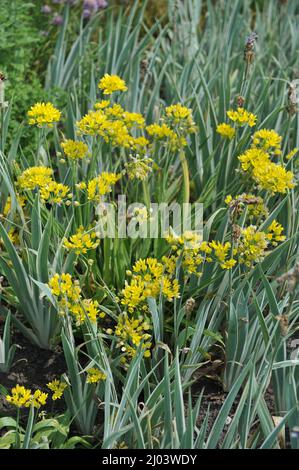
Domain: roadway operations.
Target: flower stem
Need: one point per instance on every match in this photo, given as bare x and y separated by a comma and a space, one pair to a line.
186, 179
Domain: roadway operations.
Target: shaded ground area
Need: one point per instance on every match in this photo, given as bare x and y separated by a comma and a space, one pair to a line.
33, 368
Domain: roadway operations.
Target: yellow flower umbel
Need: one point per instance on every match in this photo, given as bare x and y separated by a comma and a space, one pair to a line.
139, 168
252, 246
101, 185
166, 135
81, 241
192, 250
63, 286
69, 299
57, 387
221, 251
180, 117
268, 140
130, 333
54, 193
225, 130
23, 397
111, 83
274, 233
242, 117
39, 399
149, 280
268, 175
94, 376
75, 150
92, 123
43, 114
35, 177
20, 396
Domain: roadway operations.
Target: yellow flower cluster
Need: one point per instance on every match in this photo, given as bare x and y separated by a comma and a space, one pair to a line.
149, 279
57, 387
193, 252
94, 375
139, 168
75, 150
242, 117
221, 252
40, 177
163, 133
130, 333
225, 130
101, 185
253, 243
69, 298
23, 397
112, 83
35, 177
21, 200
255, 205
267, 174
54, 193
43, 114
181, 117
251, 246
267, 139
81, 241
274, 233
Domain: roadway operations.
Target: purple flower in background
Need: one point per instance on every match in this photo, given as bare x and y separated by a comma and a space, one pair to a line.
92, 6
57, 20
57, 1
46, 9
102, 3
86, 13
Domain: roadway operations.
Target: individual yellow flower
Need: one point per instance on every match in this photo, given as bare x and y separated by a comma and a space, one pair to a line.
292, 153
57, 387
242, 117
94, 376
74, 150
225, 130
81, 241
43, 114
112, 83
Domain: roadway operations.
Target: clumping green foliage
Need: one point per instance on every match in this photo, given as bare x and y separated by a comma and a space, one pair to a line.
196, 106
